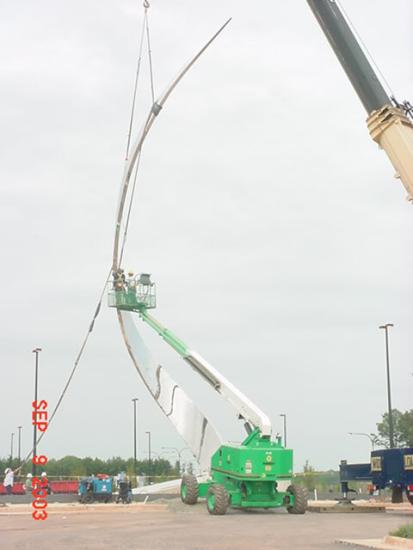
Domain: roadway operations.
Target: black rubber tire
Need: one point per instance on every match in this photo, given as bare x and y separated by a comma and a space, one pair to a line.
189, 489
221, 500
300, 500
409, 497
88, 498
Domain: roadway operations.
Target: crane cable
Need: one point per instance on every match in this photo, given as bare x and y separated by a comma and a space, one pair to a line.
145, 29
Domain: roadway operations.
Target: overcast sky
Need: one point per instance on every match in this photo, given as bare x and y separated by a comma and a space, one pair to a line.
272, 224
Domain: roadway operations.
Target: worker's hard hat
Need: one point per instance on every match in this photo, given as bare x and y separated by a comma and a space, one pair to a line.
43, 474
7, 470
29, 475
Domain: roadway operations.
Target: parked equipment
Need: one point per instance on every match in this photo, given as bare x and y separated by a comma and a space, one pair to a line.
95, 488
388, 468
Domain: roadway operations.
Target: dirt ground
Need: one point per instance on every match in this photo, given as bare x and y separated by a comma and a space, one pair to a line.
173, 526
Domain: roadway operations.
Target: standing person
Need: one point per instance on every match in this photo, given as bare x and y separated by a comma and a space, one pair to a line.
9, 479
28, 483
47, 486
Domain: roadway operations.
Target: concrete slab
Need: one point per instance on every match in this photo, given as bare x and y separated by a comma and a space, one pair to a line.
387, 543
356, 507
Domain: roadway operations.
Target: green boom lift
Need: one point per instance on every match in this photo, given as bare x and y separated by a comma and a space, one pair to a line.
254, 474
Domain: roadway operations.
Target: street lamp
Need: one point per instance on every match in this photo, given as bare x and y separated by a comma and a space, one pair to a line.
19, 442
285, 429
135, 399
11, 446
179, 453
149, 447
391, 428
372, 437
36, 351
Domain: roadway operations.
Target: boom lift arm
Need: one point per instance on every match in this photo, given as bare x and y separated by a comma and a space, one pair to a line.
138, 298
387, 123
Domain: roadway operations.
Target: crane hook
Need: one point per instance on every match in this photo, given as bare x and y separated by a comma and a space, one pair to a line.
146, 4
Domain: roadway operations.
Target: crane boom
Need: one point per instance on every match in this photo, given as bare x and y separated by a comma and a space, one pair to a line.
388, 125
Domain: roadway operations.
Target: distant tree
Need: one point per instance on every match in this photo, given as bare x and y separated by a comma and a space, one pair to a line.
309, 477
402, 429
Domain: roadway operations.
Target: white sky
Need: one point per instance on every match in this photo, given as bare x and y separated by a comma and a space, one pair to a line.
272, 224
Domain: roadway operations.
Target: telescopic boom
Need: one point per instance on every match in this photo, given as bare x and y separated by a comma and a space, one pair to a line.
388, 124
139, 298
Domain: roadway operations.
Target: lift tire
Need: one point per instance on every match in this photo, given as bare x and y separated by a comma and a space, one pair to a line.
217, 500
409, 497
189, 489
300, 500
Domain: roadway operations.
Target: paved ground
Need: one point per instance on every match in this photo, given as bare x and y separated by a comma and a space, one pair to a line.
173, 526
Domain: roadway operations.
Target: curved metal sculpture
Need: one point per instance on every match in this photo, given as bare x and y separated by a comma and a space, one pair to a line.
189, 421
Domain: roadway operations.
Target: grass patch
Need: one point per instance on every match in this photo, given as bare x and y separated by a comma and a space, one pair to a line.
405, 531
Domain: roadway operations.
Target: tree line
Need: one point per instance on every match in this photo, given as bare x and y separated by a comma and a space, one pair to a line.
73, 466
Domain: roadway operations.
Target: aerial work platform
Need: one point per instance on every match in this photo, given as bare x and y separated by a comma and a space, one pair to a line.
135, 293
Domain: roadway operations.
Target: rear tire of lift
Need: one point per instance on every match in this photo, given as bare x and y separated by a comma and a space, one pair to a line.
300, 500
217, 500
409, 497
189, 489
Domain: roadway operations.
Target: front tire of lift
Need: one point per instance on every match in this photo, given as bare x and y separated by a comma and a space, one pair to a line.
300, 500
189, 489
217, 500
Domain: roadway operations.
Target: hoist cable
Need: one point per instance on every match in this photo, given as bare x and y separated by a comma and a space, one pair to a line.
125, 232
97, 309
364, 47
138, 68
148, 40
145, 26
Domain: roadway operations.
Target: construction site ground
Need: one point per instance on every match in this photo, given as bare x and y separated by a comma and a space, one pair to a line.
171, 525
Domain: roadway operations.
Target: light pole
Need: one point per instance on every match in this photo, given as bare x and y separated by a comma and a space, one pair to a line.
372, 437
149, 448
391, 427
285, 428
19, 442
179, 453
135, 399
11, 446
36, 351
